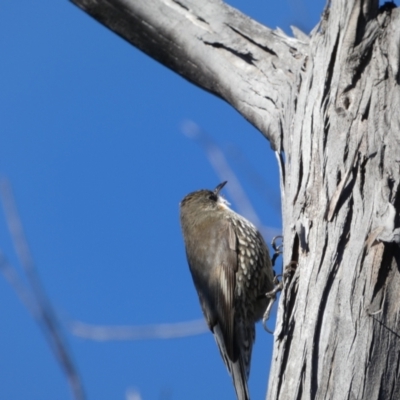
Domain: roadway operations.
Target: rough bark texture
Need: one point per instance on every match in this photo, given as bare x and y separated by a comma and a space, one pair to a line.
330, 105
338, 329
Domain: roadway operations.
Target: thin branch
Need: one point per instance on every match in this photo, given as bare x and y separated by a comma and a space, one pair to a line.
14, 280
133, 394
42, 310
224, 171
254, 177
157, 331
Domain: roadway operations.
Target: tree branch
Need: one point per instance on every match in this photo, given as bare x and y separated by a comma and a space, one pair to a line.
215, 47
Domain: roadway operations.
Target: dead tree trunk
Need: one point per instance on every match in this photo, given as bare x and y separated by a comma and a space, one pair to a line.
330, 104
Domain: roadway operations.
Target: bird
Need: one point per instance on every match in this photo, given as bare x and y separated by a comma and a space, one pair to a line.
232, 273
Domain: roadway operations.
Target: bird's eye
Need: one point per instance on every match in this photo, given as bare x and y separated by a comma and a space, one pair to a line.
213, 197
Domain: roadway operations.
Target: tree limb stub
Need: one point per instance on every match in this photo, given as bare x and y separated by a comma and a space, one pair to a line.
215, 47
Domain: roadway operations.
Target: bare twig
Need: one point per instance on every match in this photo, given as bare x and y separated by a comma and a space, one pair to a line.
41, 308
157, 331
223, 170
23, 293
254, 177
133, 394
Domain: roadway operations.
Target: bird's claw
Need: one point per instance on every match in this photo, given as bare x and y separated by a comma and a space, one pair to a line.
276, 247
279, 285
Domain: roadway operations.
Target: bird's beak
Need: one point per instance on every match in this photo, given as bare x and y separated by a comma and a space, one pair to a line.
219, 187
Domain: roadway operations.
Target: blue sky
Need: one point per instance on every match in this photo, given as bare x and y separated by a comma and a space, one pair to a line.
92, 144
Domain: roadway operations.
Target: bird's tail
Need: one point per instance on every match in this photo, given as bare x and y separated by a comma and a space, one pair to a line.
236, 368
240, 380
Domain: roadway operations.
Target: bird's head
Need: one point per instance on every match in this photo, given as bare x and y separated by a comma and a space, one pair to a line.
205, 199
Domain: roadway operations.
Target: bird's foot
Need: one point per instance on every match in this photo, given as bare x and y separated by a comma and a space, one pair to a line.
279, 285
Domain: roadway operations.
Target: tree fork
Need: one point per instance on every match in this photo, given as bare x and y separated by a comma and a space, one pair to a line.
330, 104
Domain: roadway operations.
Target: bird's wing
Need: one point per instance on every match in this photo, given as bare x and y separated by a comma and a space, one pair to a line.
222, 284
224, 291
215, 281
214, 277
225, 330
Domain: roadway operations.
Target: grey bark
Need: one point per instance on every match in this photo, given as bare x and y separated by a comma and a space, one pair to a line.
330, 106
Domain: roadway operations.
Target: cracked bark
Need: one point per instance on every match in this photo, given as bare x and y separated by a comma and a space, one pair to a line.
329, 104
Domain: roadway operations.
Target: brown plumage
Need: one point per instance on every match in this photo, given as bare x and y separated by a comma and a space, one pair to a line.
231, 270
